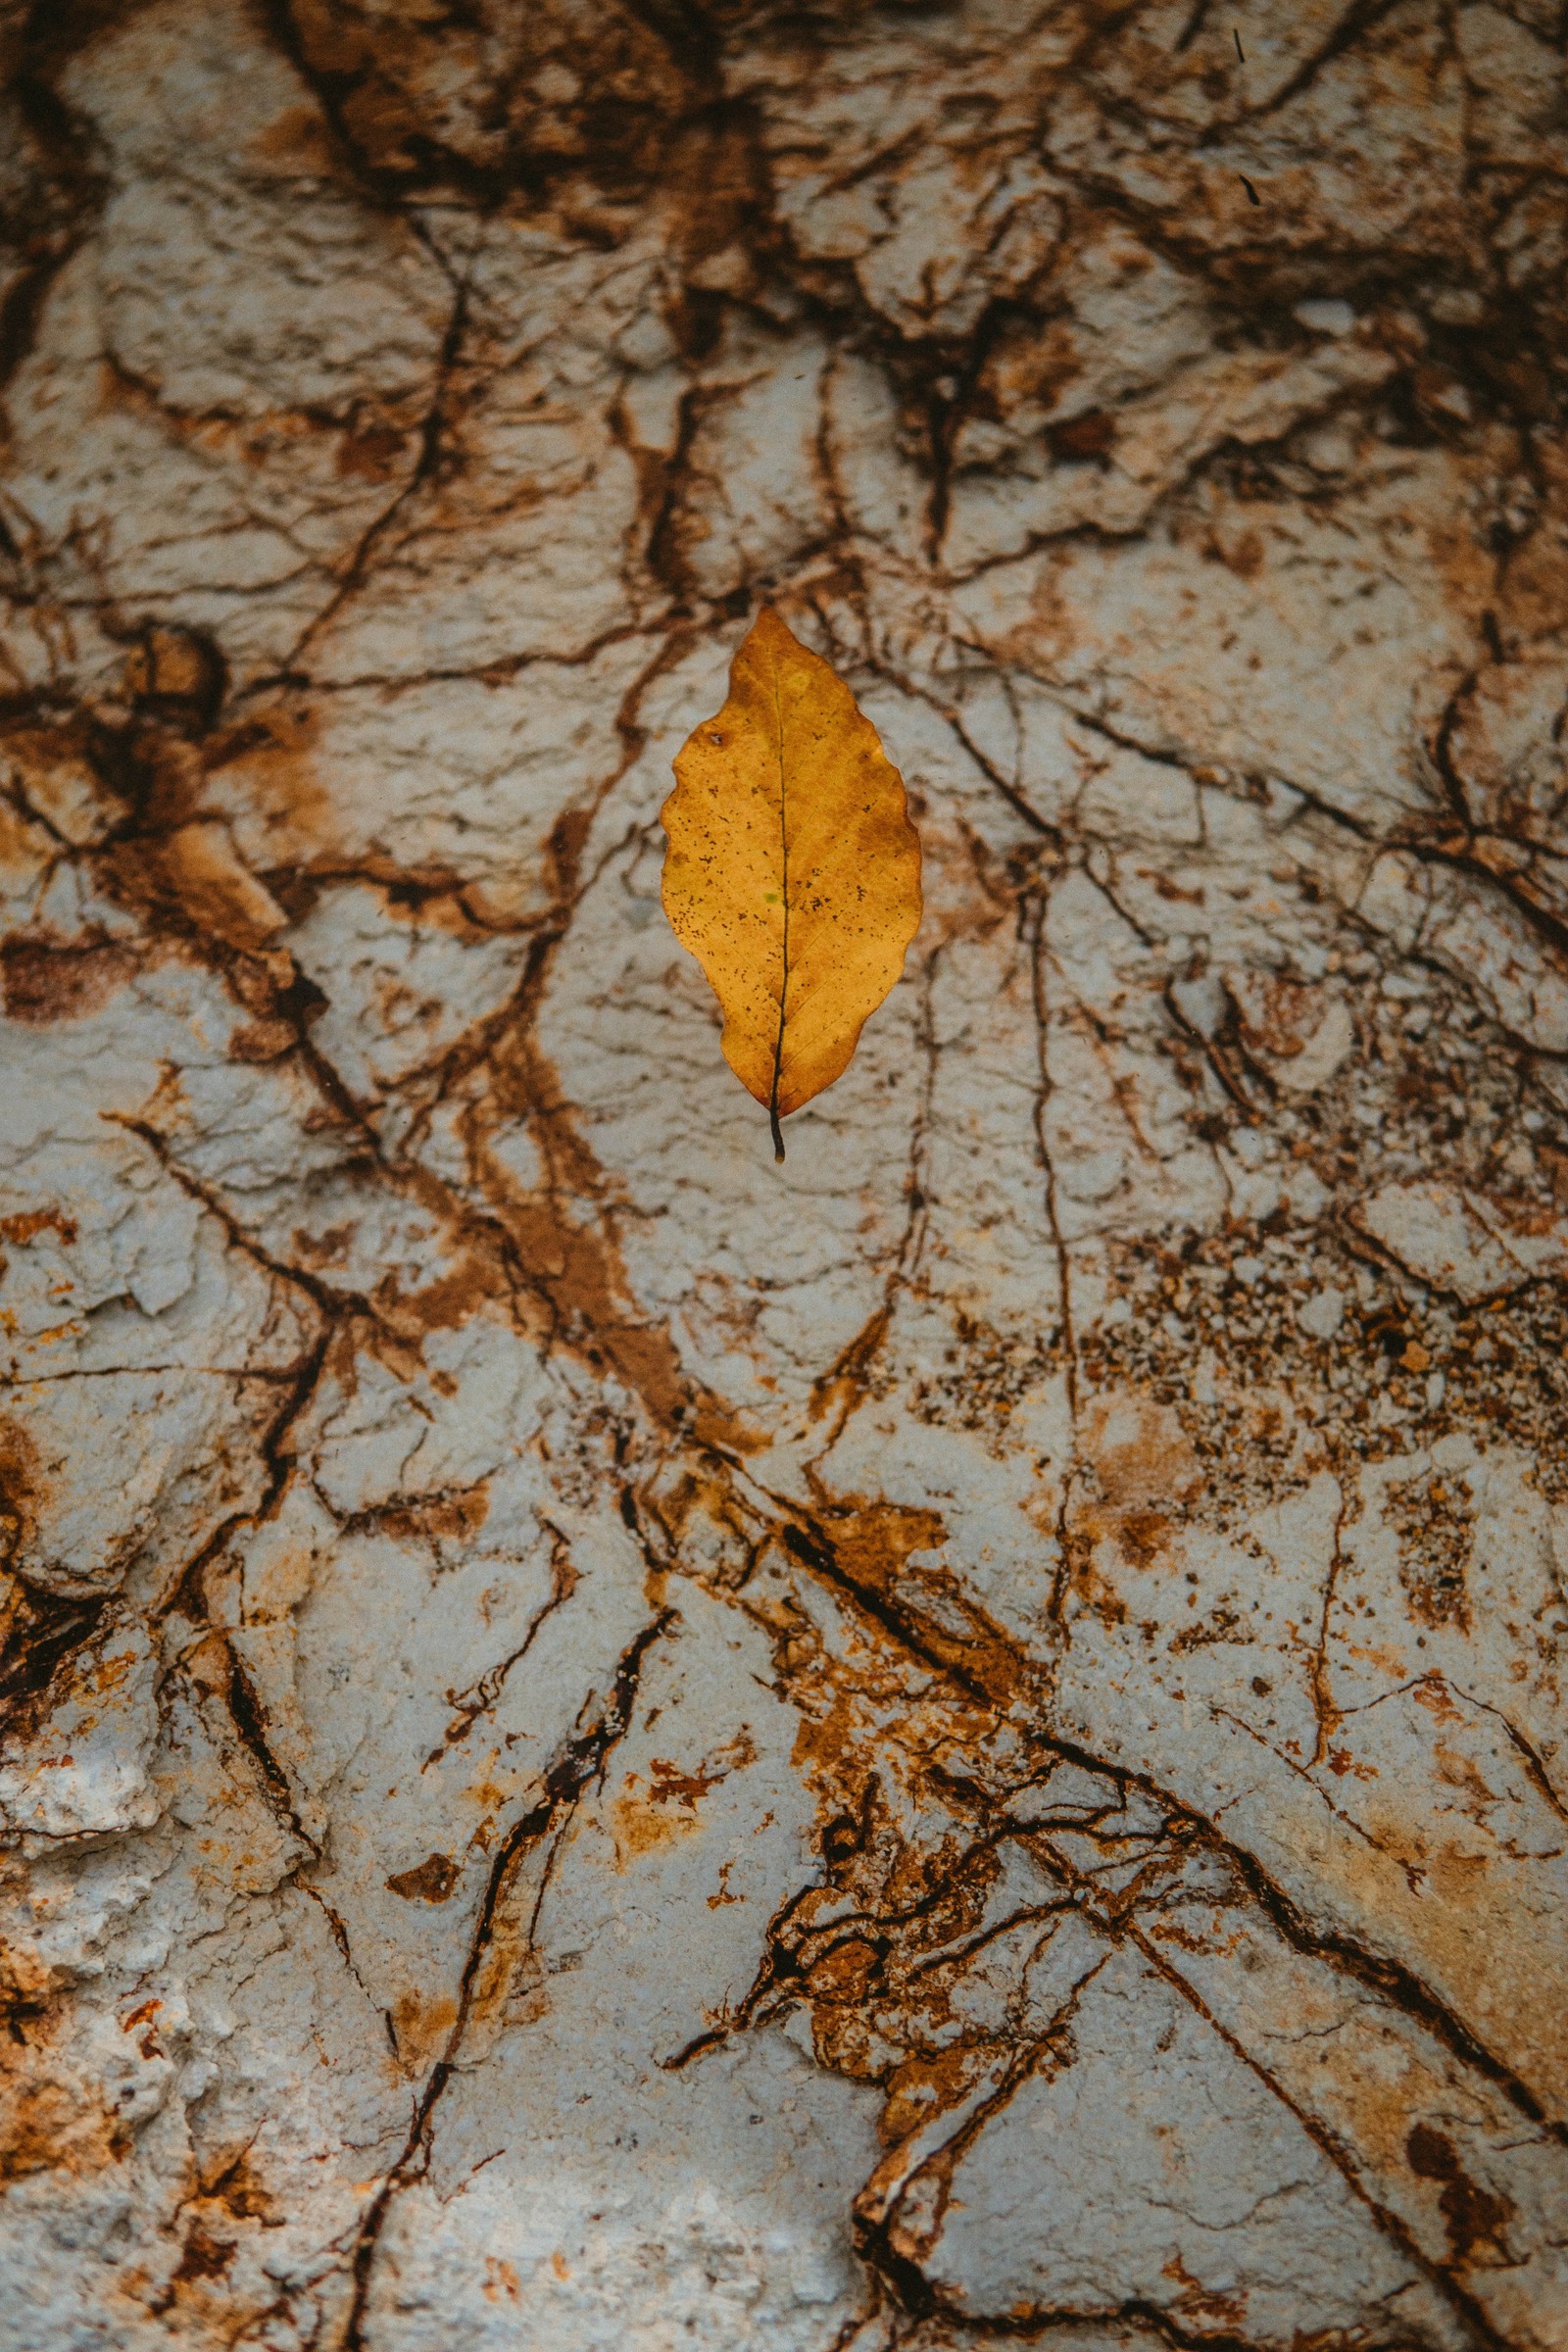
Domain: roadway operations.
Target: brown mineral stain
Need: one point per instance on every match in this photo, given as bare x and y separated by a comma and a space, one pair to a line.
372, 449
1242, 553
845, 1973
451, 1518
1212, 2307
1086, 438
1455, 1917
49, 2120
872, 1541
1141, 1453
844, 1384
197, 866
1388, 1661
568, 838
1455, 1873
1456, 1771
1146, 1473
1143, 1535
927, 2085
1278, 1015
328, 1247
21, 851
262, 1041
575, 1266
501, 2282
1474, 2216
430, 1882
173, 665
420, 2025
203, 2256
26, 1224
663, 1809
448, 1302
54, 779
264, 768
44, 977
1431, 1693
296, 137
51, 2124
234, 2183
22, 1488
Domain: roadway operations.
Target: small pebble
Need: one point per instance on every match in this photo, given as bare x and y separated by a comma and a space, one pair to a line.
1322, 1313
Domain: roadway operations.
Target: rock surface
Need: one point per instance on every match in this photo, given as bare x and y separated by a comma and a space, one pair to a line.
609, 1746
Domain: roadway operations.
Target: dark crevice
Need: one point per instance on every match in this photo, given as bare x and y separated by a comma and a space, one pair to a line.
47, 1632
249, 1718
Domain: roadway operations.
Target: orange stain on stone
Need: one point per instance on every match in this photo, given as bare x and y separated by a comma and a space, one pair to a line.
420, 2025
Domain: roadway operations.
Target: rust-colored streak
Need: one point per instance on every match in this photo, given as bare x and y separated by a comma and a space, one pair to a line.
23, 1489
26, 1224
574, 1262
46, 978
420, 2025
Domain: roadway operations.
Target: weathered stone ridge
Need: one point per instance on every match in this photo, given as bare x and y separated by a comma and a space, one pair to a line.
964, 1742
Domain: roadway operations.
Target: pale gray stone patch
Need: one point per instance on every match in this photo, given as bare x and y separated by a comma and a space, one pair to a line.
96, 1779
1459, 1241
1048, 2208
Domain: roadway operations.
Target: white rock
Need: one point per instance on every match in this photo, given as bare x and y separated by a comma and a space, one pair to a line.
607, 1743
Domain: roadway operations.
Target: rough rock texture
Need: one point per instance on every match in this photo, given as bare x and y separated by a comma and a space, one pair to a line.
607, 1746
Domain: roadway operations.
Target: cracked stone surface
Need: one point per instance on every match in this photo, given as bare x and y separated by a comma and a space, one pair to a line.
609, 1746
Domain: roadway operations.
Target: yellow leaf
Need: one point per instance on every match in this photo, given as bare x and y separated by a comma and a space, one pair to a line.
793, 872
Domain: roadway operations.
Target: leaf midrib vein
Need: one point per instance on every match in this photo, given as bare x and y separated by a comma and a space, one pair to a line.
784, 857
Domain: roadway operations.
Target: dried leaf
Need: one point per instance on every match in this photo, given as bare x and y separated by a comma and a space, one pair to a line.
793, 872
